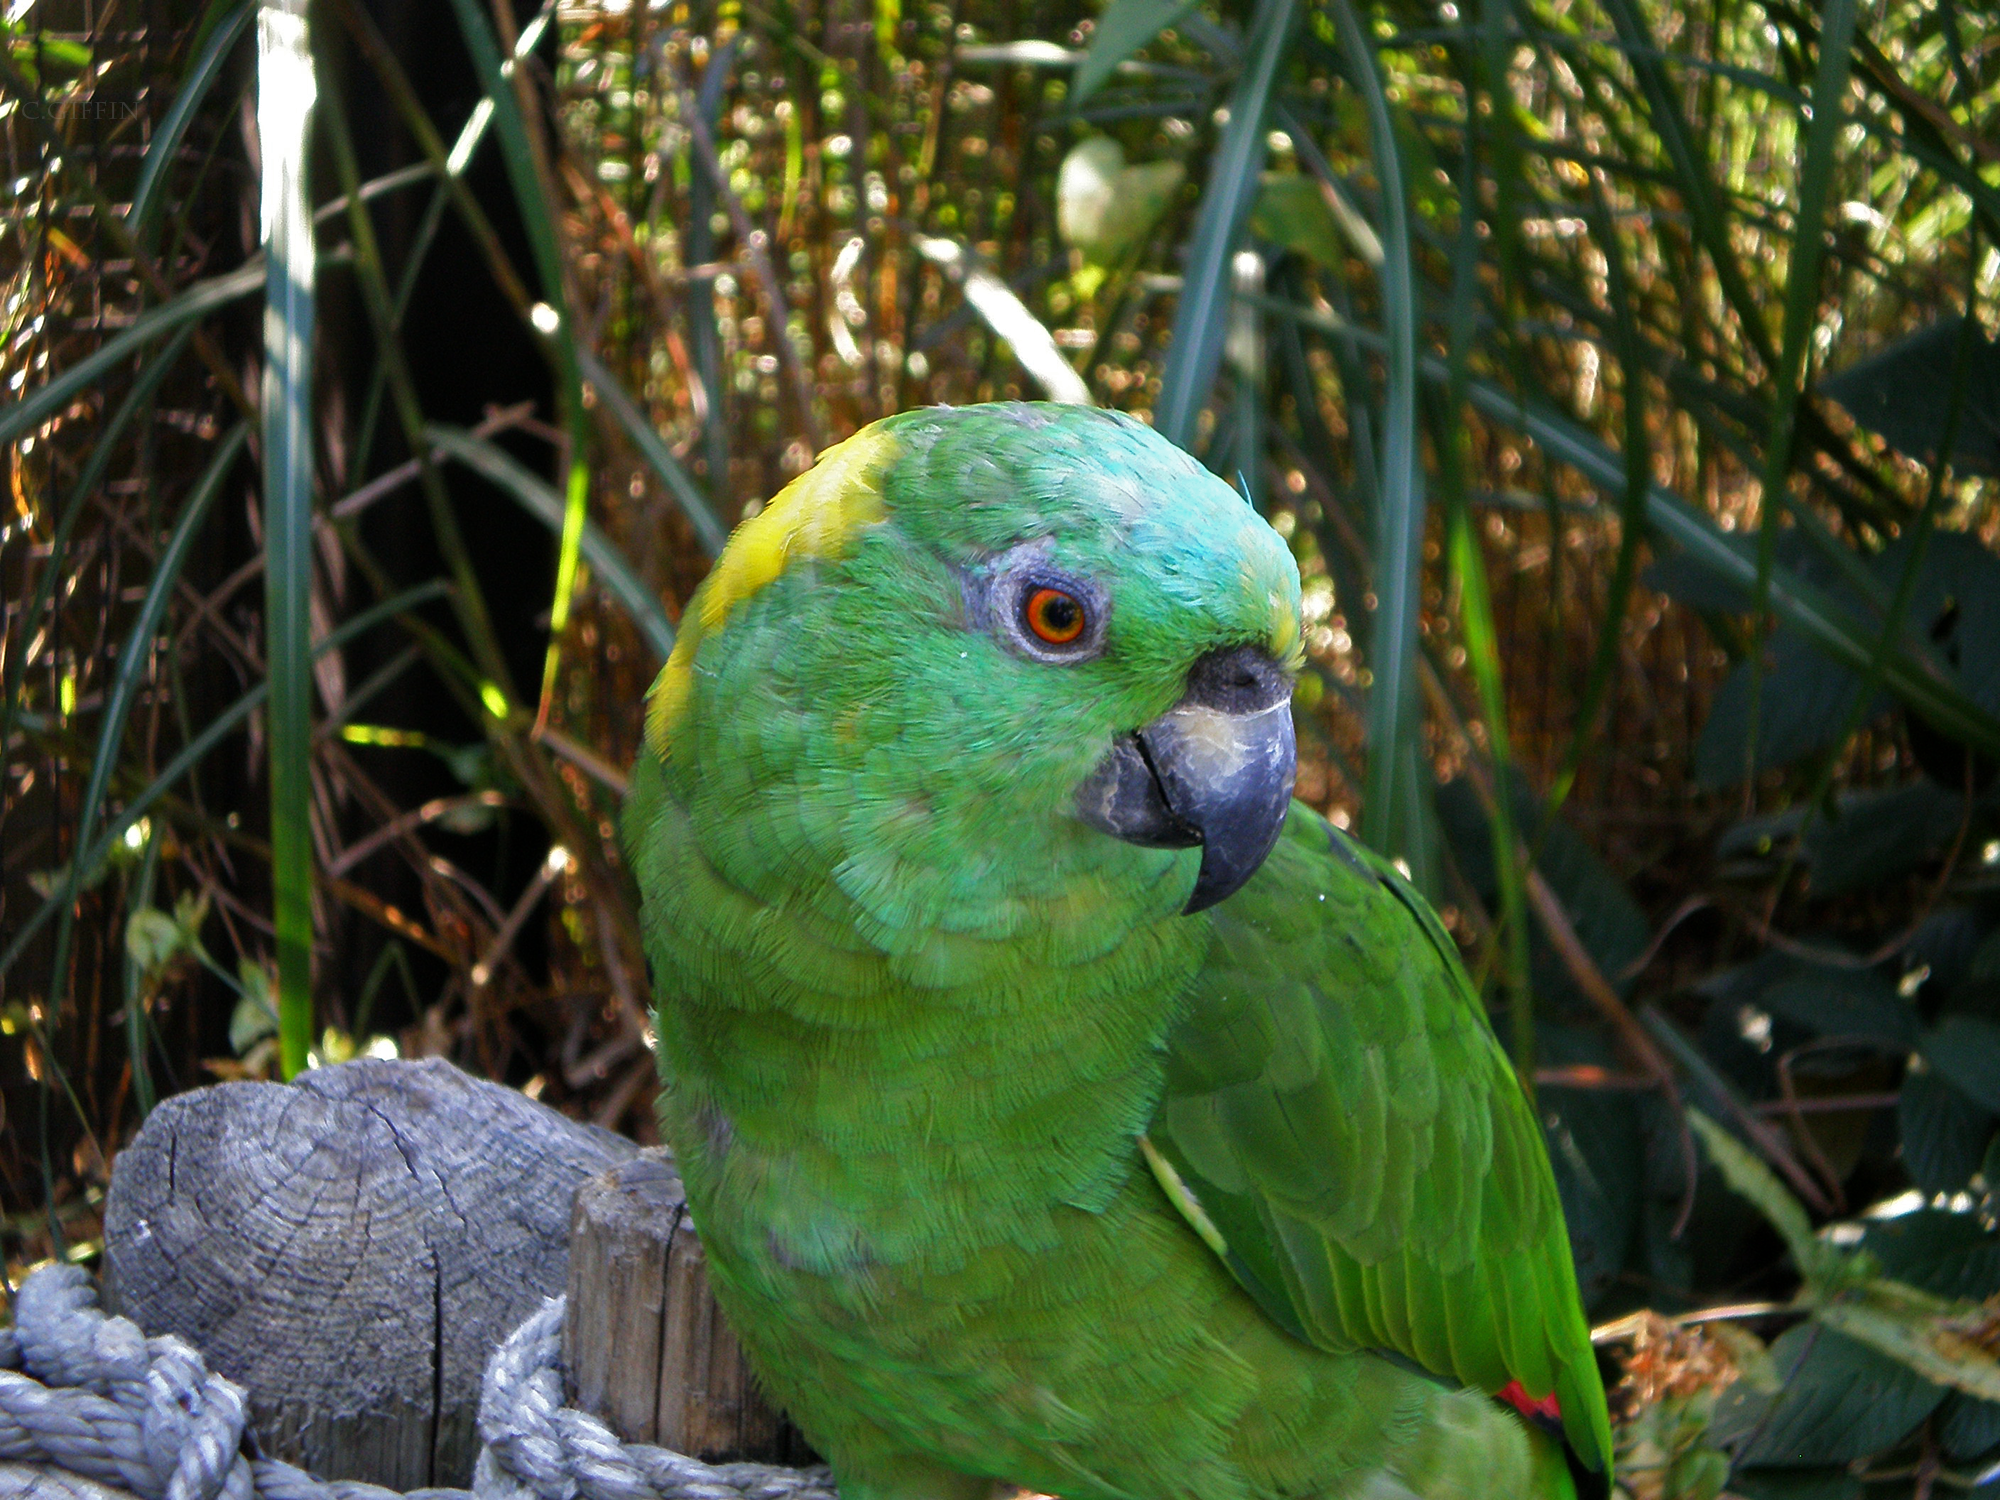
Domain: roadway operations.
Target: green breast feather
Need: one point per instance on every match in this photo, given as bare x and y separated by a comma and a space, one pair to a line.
1340, 1112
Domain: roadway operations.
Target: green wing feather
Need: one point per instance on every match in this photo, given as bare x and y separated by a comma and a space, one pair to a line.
1344, 1121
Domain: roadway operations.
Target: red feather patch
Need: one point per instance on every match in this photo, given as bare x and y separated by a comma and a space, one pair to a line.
1546, 1409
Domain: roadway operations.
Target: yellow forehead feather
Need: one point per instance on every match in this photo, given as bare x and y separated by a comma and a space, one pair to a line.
817, 515
1287, 644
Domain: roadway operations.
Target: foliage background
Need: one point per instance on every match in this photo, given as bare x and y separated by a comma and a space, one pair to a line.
1619, 372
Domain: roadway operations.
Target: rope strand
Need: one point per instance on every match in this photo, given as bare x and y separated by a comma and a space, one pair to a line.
92, 1397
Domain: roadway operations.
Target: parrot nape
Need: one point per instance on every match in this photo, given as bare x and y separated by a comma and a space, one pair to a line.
1059, 1102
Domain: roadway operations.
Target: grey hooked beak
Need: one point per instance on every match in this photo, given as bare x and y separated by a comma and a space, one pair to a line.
1216, 770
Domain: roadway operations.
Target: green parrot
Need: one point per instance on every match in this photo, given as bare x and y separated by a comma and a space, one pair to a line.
1061, 1104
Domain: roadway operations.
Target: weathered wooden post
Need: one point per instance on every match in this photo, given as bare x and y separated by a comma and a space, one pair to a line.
645, 1347
350, 1249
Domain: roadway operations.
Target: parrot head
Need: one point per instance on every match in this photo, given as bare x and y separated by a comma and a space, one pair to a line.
977, 637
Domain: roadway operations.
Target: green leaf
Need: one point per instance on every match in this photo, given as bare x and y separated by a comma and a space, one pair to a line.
1125, 27
1902, 393
1956, 602
1818, 615
1835, 1002
1841, 1401
1200, 317
1966, 1051
1104, 207
1696, 585
1292, 211
1911, 1328
1749, 1177
152, 939
256, 1013
1802, 709
1945, 1134
1946, 1254
1969, 1427
1815, 614
61, 51
1880, 836
1796, 1484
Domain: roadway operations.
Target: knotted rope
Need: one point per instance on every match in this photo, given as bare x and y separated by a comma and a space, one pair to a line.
91, 1396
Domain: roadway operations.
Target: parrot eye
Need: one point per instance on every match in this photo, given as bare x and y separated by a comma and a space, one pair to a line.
1039, 610
1055, 616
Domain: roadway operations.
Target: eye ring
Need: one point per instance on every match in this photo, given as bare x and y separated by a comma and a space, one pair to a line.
1054, 616
1037, 609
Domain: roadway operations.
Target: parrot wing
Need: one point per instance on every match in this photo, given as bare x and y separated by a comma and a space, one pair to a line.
1341, 1127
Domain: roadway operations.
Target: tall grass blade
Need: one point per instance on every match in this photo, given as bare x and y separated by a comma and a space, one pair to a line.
84, 857
196, 750
1631, 504
393, 369
542, 501
460, 157
148, 197
1694, 182
1907, 672
136, 1043
538, 212
199, 300
131, 672
517, 152
1895, 618
1797, 602
102, 449
1393, 811
1200, 319
1452, 441
285, 89
1801, 316
447, 164
708, 530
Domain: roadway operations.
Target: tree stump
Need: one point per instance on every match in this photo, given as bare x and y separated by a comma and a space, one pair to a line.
644, 1343
350, 1249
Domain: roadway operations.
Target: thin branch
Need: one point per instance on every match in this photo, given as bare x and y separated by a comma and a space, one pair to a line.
583, 758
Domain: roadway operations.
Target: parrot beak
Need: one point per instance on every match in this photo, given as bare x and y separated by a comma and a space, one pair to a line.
1216, 770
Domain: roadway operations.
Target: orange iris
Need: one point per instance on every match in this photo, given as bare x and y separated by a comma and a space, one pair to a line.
1054, 616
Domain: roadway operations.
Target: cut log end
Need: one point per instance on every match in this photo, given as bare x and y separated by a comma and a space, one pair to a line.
644, 1343
350, 1249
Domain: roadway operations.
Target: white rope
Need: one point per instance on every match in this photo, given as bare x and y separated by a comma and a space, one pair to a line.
90, 1397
